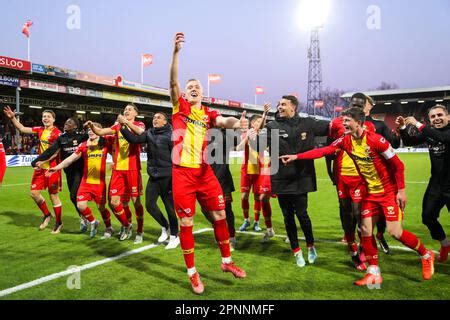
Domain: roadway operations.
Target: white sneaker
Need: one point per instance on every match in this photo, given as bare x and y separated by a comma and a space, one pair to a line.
164, 235
108, 233
173, 243
139, 238
299, 259
269, 234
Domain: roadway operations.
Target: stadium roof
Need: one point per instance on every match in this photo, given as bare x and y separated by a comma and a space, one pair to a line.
442, 92
48, 82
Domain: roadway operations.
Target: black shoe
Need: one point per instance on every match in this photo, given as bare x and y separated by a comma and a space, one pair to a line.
383, 245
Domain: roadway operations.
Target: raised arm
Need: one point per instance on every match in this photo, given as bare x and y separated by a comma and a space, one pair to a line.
67, 162
135, 128
232, 122
408, 139
175, 91
131, 138
10, 114
101, 132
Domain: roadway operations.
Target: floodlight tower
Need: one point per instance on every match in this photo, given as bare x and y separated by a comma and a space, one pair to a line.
314, 72
312, 16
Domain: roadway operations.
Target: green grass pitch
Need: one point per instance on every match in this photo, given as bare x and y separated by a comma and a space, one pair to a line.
27, 254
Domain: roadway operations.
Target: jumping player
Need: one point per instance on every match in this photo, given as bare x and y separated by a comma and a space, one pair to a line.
255, 174
126, 179
192, 177
93, 184
47, 136
383, 173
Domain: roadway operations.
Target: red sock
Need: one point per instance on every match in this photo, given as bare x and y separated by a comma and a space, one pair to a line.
58, 213
411, 241
370, 250
187, 245
222, 237
352, 247
119, 212
87, 213
128, 213
44, 208
296, 250
245, 207
267, 213
140, 218
257, 208
106, 216
350, 237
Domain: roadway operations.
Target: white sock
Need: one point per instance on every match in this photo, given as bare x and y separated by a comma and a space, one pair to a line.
92, 223
445, 243
227, 260
191, 271
375, 270
426, 255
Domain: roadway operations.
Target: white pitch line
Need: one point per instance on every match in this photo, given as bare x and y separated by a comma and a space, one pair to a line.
68, 272
91, 265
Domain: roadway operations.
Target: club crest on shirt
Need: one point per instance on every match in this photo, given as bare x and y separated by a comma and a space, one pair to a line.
303, 136
205, 118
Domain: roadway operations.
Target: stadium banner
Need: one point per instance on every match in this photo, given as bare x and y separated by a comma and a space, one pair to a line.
90, 77
20, 160
26, 159
117, 96
222, 102
41, 85
9, 81
16, 64
60, 72
143, 87
39, 68
62, 89
94, 93
235, 104
24, 83
76, 90
206, 99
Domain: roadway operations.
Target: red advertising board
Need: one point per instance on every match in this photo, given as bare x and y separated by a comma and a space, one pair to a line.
16, 64
235, 104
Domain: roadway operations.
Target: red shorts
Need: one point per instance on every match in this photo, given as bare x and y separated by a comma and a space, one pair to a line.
381, 204
125, 183
189, 184
259, 182
2, 162
95, 192
351, 187
41, 182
